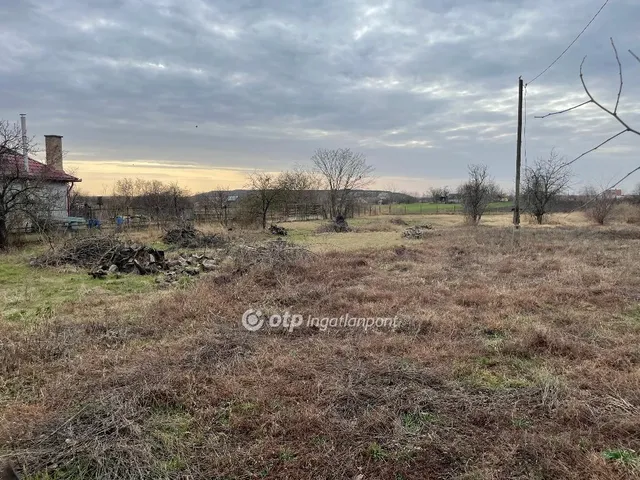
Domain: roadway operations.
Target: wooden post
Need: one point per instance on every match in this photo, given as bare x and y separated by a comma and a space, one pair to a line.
516, 209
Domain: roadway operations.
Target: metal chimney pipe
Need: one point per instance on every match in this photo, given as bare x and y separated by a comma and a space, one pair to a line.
25, 147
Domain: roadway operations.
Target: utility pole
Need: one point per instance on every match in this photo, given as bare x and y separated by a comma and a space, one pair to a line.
516, 210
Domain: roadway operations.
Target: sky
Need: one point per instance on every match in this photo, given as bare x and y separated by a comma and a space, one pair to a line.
204, 92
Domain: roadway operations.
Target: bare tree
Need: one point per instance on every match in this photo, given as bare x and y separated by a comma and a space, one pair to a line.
267, 190
24, 197
599, 203
635, 195
298, 188
544, 182
613, 113
343, 171
439, 194
123, 194
218, 202
477, 193
178, 198
157, 200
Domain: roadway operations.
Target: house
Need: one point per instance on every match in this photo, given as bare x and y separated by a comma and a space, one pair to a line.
51, 183
613, 193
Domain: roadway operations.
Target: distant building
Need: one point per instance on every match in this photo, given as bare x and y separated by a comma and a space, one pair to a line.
613, 193
232, 198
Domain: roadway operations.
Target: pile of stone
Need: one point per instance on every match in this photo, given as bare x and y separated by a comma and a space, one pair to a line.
277, 230
416, 233
187, 265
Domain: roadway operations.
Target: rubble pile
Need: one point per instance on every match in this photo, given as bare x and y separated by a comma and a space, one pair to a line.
123, 258
186, 236
416, 233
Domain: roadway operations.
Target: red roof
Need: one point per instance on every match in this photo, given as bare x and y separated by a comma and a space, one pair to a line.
11, 163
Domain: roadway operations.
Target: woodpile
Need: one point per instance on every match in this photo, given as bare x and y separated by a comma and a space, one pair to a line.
81, 252
107, 255
186, 236
277, 230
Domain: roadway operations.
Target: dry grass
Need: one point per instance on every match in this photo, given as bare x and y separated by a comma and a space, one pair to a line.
516, 357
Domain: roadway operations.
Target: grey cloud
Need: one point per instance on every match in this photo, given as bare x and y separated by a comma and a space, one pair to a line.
422, 87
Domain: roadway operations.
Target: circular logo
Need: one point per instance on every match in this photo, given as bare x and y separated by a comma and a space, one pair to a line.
252, 320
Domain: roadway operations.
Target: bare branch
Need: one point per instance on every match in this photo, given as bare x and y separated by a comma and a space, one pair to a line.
595, 148
602, 107
635, 56
615, 50
564, 111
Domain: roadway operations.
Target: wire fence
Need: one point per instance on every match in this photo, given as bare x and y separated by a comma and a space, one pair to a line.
140, 218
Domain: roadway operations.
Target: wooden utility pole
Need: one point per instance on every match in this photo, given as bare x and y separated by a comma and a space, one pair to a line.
516, 209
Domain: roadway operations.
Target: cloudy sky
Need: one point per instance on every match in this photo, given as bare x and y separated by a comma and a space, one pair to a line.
423, 88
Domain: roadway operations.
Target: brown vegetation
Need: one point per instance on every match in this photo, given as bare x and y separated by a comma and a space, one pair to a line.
516, 357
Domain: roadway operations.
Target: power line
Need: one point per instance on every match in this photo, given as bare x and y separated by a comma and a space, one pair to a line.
524, 133
571, 44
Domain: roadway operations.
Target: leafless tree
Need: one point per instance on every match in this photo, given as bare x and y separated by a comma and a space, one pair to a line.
179, 198
24, 196
124, 191
297, 187
613, 113
343, 172
157, 200
439, 194
217, 201
267, 190
544, 182
477, 193
635, 195
599, 203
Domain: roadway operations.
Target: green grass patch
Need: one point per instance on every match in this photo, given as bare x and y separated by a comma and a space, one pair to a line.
30, 294
414, 422
497, 372
623, 456
376, 452
433, 208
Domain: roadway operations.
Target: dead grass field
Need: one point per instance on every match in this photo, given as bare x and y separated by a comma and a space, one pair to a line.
516, 357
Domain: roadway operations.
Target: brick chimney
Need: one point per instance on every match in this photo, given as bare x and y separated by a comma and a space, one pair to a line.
53, 147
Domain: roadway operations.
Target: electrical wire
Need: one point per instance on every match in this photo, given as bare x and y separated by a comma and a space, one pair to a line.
571, 44
524, 133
